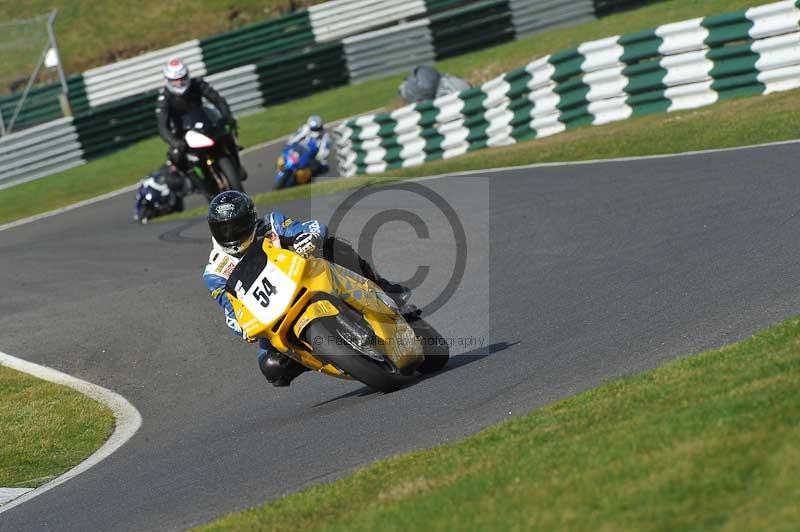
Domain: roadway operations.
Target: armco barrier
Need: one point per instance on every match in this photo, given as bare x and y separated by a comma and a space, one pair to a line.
531, 17
280, 59
390, 51
139, 74
603, 8
42, 104
117, 124
676, 66
472, 27
457, 26
257, 42
241, 89
340, 18
301, 73
39, 151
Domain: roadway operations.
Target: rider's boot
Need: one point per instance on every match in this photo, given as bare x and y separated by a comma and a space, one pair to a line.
400, 294
278, 369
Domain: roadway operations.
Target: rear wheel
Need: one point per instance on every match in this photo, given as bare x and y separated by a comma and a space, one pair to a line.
230, 173
334, 349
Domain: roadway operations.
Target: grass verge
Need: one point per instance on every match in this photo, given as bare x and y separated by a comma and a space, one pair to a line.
92, 33
46, 429
127, 166
707, 442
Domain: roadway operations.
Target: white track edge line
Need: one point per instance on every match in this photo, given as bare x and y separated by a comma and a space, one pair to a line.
127, 420
632, 158
62, 210
110, 195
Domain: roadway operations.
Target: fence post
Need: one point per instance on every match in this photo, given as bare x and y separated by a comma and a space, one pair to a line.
63, 98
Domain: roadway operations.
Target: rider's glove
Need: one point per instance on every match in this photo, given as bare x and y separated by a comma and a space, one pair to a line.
176, 153
306, 244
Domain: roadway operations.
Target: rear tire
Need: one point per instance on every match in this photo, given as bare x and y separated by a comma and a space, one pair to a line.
378, 375
230, 173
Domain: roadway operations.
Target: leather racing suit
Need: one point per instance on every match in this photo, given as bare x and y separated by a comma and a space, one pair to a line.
319, 142
170, 109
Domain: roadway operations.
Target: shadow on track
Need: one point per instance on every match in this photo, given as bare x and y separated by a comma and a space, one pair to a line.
176, 234
456, 362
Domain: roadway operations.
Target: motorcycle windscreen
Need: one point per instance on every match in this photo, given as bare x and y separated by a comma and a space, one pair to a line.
263, 290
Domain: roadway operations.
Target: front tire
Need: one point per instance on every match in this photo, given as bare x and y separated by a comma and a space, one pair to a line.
437, 352
381, 376
230, 173
281, 183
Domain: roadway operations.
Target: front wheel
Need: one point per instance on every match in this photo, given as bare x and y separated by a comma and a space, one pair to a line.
434, 345
334, 349
282, 179
230, 173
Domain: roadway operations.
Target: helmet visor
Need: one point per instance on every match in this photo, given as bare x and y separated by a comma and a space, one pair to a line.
179, 83
231, 233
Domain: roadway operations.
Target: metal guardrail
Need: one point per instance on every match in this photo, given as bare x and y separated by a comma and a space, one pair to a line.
389, 51
241, 88
113, 104
139, 74
472, 27
677, 66
256, 42
340, 18
607, 7
533, 16
39, 151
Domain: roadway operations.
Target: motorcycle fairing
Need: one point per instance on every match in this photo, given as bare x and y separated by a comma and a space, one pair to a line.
291, 285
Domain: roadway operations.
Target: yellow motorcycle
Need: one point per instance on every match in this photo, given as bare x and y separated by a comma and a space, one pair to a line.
330, 319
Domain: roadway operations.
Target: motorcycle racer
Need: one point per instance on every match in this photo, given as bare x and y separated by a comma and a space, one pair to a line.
180, 94
235, 226
313, 136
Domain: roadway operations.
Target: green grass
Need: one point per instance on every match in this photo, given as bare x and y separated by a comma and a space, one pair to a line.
708, 442
93, 33
127, 166
46, 429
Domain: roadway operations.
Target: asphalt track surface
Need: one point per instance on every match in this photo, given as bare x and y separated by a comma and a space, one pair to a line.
574, 275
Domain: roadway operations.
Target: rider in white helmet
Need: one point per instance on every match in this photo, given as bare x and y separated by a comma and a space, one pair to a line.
313, 136
182, 93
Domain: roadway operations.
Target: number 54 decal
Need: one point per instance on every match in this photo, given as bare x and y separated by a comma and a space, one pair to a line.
262, 293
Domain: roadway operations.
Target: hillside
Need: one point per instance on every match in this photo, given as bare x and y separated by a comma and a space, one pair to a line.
91, 33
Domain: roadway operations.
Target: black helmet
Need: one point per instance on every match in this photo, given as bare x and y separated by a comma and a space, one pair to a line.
232, 220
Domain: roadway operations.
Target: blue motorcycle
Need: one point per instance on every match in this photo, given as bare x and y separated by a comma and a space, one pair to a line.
155, 198
296, 165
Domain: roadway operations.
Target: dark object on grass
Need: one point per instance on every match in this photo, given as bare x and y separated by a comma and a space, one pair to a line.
426, 83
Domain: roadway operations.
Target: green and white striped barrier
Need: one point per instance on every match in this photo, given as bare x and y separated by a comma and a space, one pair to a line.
677, 66
293, 56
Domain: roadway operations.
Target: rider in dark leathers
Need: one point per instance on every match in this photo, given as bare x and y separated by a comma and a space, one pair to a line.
181, 94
